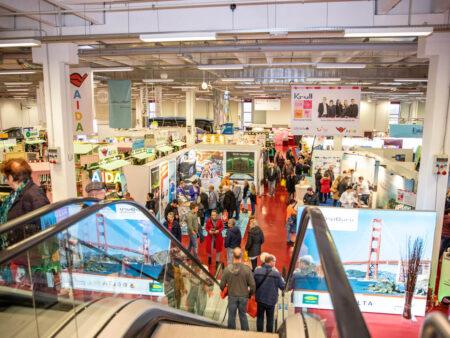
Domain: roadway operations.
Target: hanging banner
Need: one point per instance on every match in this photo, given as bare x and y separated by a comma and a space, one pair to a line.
120, 104
82, 92
325, 111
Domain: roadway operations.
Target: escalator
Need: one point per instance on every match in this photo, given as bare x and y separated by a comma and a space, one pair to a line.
112, 270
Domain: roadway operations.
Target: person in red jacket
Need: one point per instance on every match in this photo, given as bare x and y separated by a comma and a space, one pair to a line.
214, 240
325, 186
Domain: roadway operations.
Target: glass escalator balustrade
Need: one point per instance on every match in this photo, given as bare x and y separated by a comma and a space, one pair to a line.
115, 252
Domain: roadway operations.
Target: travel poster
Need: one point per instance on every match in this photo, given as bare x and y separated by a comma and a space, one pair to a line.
209, 167
164, 187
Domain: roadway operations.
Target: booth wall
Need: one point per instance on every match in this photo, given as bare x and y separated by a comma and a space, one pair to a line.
15, 113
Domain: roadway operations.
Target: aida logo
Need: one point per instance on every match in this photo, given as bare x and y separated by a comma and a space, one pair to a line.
310, 299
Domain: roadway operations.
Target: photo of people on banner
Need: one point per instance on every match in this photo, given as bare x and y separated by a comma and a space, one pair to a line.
326, 111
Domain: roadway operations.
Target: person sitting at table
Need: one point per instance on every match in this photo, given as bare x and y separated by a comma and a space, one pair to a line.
310, 197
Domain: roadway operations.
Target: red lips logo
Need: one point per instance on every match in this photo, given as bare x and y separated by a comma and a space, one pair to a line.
340, 129
77, 80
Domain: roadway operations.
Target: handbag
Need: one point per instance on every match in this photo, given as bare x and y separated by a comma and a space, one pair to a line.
252, 306
283, 182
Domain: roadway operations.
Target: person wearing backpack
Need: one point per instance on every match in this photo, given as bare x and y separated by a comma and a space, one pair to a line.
268, 281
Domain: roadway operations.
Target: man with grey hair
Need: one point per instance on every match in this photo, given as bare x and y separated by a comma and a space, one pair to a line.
238, 278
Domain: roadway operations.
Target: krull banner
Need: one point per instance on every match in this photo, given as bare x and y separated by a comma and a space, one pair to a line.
82, 92
325, 110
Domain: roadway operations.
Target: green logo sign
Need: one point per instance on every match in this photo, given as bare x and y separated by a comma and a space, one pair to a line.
310, 299
155, 287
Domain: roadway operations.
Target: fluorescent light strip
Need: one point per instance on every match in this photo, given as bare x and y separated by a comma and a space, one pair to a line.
184, 87
387, 32
415, 93
16, 84
183, 36
340, 65
17, 89
247, 87
359, 83
390, 83
323, 79
112, 69
19, 43
157, 80
17, 72
238, 79
220, 67
411, 80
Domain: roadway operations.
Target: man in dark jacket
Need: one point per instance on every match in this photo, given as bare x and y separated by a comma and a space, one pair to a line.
229, 201
172, 207
268, 280
233, 239
310, 197
238, 278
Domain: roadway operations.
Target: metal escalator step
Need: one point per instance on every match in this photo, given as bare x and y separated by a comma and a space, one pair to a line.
188, 331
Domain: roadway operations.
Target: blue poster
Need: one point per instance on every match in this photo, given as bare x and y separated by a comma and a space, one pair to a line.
120, 104
406, 130
373, 246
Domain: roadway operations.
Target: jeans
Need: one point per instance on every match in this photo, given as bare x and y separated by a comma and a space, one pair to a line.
193, 247
245, 202
269, 311
238, 210
253, 206
254, 262
229, 255
272, 185
237, 304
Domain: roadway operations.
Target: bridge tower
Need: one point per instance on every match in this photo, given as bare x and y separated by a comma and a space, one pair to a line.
102, 240
145, 248
374, 249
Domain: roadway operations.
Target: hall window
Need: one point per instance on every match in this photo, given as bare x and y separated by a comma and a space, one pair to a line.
151, 109
247, 111
394, 112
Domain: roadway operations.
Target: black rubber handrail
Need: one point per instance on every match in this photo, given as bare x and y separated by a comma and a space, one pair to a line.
435, 326
21, 247
31, 216
349, 320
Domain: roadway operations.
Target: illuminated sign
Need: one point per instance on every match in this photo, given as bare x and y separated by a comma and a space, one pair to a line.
81, 87
106, 176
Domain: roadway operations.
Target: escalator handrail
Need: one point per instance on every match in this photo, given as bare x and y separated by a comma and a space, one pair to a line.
21, 247
33, 215
435, 326
349, 320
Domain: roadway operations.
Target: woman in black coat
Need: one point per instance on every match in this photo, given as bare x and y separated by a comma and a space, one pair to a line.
318, 176
254, 242
173, 226
24, 198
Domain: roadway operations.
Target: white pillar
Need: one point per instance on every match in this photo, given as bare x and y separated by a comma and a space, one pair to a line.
190, 119
337, 142
432, 188
55, 58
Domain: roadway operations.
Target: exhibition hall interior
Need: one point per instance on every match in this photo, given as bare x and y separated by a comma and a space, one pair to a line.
225, 168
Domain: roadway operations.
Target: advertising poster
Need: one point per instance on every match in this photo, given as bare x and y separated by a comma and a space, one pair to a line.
241, 165
172, 166
373, 246
210, 168
129, 258
164, 187
325, 111
186, 166
82, 92
154, 179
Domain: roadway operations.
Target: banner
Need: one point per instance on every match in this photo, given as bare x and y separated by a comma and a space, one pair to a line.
406, 130
209, 167
325, 111
373, 246
120, 104
82, 92
267, 104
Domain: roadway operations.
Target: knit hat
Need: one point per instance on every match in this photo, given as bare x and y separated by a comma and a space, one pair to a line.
95, 186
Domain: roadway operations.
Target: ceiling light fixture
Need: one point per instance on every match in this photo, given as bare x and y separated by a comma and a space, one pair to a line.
390, 83
204, 85
411, 80
387, 32
221, 67
17, 84
415, 93
17, 72
19, 43
112, 69
247, 87
17, 89
184, 87
157, 80
359, 83
237, 79
323, 79
340, 65
182, 36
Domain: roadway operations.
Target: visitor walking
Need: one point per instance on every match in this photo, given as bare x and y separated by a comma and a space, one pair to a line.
245, 196
233, 239
318, 176
173, 226
272, 176
268, 281
291, 221
325, 184
193, 228
237, 190
214, 239
229, 201
291, 182
238, 279
252, 197
254, 242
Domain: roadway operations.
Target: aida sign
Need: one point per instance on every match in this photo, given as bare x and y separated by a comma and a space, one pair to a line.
81, 91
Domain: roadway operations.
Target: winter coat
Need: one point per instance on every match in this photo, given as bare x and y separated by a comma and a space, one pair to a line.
318, 176
234, 238
342, 187
218, 244
325, 185
238, 278
254, 241
267, 287
31, 198
229, 201
291, 181
334, 189
175, 230
311, 199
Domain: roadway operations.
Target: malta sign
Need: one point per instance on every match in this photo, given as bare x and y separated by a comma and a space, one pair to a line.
81, 91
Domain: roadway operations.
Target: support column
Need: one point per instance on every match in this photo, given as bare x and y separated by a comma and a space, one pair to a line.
337, 142
191, 132
55, 58
432, 188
